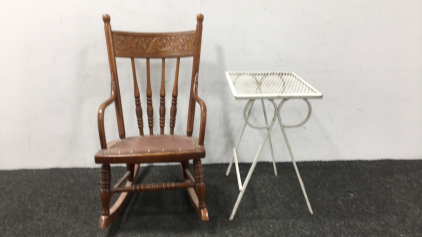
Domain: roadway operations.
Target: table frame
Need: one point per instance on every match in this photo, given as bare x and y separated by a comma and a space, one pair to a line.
246, 113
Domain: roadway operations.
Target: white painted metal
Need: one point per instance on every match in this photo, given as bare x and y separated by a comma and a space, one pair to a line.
268, 85
248, 177
304, 121
238, 140
291, 153
239, 181
269, 138
247, 117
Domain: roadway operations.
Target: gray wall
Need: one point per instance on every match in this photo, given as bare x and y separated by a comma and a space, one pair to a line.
364, 56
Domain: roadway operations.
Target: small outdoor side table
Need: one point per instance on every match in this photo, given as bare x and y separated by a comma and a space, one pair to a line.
269, 86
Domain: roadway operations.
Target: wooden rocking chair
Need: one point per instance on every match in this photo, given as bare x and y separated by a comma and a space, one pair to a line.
152, 148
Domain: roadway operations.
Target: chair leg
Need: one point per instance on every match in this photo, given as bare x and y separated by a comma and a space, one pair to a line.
105, 177
185, 165
110, 214
199, 180
131, 168
197, 194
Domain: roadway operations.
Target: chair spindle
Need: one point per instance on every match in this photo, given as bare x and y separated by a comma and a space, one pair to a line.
162, 97
173, 110
137, 100
149, 101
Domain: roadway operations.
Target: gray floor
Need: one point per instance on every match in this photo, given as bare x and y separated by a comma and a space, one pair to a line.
354, 198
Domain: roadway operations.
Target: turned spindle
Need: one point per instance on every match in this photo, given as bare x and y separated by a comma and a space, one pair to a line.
149, 101
173, 110
137, 100
162, 97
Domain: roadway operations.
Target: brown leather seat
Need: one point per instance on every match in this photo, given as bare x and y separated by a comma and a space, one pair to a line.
149, 149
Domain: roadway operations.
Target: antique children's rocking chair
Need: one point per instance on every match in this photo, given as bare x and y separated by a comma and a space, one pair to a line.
158, 147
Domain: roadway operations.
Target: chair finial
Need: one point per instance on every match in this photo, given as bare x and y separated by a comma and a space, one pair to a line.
106, 18
200, 17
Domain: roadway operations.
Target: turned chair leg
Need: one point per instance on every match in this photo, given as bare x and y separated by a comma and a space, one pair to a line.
199, 180
105, 177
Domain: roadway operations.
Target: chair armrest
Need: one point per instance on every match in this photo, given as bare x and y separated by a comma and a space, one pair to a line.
101, 111
203, 107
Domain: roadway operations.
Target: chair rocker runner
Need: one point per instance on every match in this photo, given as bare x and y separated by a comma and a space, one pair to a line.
152, 148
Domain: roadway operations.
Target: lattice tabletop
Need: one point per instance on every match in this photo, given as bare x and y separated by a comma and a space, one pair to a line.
253, 85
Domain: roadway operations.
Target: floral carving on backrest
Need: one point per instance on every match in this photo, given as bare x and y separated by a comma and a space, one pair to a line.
153, 45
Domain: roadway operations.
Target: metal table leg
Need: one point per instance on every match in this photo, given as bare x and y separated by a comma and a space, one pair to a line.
241, 134
246, 114
269, 137
240, 137
242, 187
290, 149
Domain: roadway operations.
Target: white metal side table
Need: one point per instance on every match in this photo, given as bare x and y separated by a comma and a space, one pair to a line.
269, 86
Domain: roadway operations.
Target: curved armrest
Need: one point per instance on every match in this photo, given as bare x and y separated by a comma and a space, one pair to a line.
203, 111
101, 110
